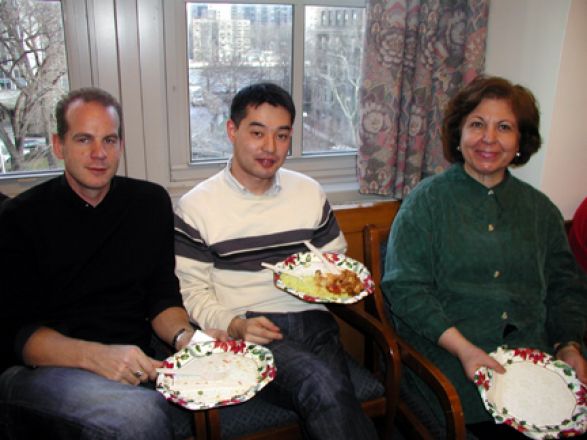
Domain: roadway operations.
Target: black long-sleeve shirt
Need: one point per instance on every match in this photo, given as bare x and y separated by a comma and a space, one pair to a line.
94, 273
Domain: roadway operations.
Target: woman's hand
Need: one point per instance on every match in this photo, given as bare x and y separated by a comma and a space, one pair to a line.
470, 356
572, 356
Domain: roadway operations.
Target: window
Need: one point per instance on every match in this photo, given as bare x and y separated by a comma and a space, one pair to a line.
310, 50
332, 69
231, 46
33, 74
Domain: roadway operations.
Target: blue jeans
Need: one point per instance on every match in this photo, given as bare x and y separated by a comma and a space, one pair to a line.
313, 379
69, 403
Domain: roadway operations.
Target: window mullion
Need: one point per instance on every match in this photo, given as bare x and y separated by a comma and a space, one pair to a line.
298, 76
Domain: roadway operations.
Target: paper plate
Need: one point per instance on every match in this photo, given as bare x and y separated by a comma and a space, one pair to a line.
304, 264
538, 395
213, 374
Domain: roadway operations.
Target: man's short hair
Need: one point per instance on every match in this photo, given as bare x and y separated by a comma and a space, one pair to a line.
85, 94
257, 94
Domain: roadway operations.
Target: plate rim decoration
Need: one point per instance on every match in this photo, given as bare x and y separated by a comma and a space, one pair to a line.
574, 425
262, 356
342, 261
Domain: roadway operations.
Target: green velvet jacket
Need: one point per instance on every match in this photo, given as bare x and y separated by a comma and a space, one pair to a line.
494, 263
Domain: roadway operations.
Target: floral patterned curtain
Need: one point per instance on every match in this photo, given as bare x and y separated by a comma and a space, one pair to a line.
418, 53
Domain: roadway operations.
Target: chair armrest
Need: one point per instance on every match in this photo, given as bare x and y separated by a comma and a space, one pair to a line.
440, 385
370, 326
373, 238
381, 335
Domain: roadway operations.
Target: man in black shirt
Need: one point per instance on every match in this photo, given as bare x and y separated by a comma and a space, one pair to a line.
87, 265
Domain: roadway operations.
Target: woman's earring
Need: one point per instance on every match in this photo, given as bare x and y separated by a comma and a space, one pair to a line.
458, 148
518, 154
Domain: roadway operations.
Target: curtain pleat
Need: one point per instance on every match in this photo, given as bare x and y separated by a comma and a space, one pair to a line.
418, 54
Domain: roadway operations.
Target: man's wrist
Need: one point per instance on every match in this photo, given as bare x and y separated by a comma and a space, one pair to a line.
180, 337
233, 329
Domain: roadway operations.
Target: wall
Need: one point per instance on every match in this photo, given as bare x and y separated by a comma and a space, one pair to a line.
565, 176
540, 44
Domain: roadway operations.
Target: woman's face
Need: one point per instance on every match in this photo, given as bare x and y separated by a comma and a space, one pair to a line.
489, 141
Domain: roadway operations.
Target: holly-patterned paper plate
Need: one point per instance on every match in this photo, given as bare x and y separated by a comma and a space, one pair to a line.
294, 275
212, 374
537, 395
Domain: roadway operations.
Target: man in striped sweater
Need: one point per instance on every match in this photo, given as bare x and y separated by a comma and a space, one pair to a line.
255, 211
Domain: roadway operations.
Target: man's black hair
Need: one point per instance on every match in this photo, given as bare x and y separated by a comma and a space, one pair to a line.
257, 94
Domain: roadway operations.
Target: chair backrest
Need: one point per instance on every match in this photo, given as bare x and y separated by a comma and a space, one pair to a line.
375, 239
352, 219
374, 244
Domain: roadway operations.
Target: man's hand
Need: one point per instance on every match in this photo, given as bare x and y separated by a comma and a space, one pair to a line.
572, 356
470, 356
259, 330
122, 363
218, 334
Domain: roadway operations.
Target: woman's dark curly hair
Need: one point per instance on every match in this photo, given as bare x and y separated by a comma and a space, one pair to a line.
524, 107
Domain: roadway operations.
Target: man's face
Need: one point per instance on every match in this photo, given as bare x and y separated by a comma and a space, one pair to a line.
261, 143
90, 149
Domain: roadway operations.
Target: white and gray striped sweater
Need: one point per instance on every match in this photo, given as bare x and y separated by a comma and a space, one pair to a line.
223, 234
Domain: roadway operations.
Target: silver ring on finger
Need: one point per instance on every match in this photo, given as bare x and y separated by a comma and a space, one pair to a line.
138, 374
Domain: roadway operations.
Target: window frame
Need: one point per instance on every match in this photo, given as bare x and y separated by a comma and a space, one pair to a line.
137, 52
337, 172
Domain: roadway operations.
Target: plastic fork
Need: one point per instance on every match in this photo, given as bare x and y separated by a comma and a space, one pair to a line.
330, 267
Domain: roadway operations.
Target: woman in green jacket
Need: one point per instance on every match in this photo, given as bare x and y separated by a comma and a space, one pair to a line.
478, 259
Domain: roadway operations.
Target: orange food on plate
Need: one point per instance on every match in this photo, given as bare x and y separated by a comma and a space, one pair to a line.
347, 282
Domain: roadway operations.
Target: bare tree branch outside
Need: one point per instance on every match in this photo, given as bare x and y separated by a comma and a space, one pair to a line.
332, 72
33, 75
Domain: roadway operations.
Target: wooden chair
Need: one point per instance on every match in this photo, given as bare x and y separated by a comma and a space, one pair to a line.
374, 240
257, 419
